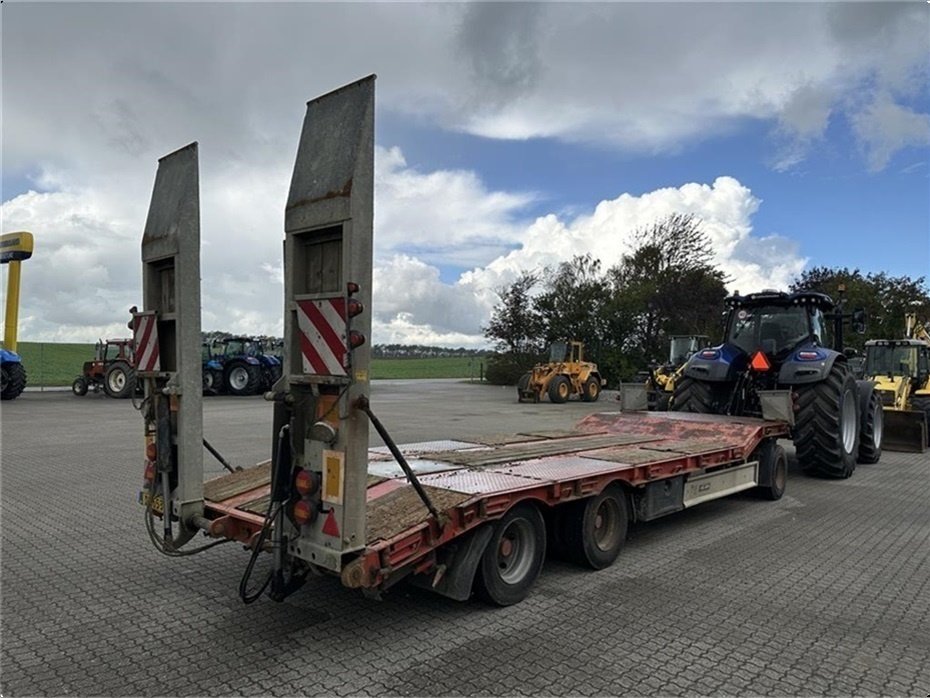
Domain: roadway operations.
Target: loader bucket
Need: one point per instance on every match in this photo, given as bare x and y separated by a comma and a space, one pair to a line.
905, 431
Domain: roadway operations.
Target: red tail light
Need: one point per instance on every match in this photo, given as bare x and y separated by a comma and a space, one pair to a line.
354, 307
303, 512
760, 362
306, 482
150, 450
149, 472
356, 339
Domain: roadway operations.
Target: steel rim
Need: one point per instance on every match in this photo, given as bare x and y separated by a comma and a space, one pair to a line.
848, 422
238, 378
607, 524
516, 550
117, 380
781, 474
563, 389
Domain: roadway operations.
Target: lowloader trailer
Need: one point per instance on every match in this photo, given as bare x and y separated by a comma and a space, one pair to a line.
452, 516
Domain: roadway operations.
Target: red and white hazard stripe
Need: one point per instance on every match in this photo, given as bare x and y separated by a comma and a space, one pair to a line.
145, 342
323, 326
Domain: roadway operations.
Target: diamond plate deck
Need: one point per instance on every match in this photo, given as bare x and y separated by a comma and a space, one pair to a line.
558, 469
537, 449
479, 481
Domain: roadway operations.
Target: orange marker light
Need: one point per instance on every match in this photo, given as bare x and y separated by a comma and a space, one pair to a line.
760, 362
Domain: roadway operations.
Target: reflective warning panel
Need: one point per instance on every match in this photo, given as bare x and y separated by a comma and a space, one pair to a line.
323, 327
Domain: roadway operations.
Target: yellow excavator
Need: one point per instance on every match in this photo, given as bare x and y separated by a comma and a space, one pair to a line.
565, 374
900, 369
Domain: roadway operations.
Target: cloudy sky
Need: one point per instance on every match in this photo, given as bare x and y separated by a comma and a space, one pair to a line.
507, 137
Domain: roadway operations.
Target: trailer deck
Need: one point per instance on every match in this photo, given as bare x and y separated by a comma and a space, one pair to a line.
470, 482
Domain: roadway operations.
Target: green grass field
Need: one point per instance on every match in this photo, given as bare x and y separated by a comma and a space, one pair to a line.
53, 364
59, 364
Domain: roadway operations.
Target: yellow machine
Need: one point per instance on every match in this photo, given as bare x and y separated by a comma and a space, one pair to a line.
566, 374
900, 369
660, 381
14, 248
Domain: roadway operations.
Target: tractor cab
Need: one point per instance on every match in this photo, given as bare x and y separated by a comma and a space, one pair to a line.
683, 346
778, 325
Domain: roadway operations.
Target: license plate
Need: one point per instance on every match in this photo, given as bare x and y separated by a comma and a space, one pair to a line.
158, 505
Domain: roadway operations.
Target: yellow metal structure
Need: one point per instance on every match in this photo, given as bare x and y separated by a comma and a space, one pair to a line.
900, 369
660, 383
14, 248
565, 374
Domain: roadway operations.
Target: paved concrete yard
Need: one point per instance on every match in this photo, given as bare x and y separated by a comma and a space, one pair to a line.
826, 592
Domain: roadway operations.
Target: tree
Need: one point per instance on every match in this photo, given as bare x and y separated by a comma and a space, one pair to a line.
667, 285
884, 298
571, 305
515, 327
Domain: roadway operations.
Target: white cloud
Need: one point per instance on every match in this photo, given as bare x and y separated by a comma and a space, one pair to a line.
884, 127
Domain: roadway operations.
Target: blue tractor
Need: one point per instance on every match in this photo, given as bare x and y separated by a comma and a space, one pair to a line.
212, 371
12, 375
777, 345
247, 369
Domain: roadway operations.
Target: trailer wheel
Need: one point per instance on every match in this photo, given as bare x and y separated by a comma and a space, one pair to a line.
559, 389
119, 380
596, 528
592, 389
79, 387
514, 557
826, 435
773, 470
871, 432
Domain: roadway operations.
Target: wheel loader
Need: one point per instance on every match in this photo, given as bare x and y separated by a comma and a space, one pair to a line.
660, 380
565, 374
900, 369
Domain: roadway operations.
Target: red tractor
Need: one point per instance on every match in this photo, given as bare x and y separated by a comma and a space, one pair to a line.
112, 369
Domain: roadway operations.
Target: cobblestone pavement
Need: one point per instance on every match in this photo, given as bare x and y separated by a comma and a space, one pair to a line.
825, 592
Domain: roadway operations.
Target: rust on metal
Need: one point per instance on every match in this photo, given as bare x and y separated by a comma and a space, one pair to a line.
342, 192
402, 508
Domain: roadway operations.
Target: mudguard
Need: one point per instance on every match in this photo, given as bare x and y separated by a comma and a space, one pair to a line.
9, 357
719, 364
461, 559
796, 371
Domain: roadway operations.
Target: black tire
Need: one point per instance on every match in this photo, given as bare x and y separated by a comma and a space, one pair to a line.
12, 380
523, 384
212, 381
871, 430
79, 387
560, 389
241, 378
921, 403
826, 432
595, 528
695, 396
773, 470
514, 557
119, 380
663, 401
592, 389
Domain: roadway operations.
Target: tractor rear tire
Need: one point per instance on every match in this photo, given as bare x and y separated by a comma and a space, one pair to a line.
12, 380
870, 436
826, 433
695, 396
921, 403
242, 378
514, 557
79, 387
592, 389
560, 389
120, 380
